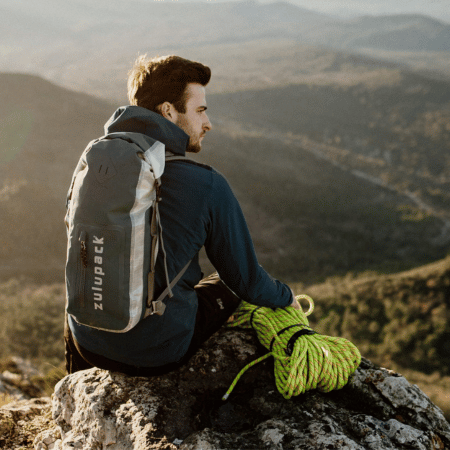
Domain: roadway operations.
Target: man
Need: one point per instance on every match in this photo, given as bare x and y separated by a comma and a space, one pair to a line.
198, 208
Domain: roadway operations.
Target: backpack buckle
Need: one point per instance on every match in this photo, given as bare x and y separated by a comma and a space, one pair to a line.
158, 308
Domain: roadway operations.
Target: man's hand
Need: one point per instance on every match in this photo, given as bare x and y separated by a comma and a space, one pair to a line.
295, 304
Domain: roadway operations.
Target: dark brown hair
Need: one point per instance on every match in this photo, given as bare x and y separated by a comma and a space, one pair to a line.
164, 79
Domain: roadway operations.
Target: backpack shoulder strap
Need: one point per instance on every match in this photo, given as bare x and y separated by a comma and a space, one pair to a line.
157, 306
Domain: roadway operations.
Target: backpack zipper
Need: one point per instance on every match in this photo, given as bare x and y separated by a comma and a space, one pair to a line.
83, 266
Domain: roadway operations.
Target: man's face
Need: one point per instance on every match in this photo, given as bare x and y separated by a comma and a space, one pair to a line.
194, 121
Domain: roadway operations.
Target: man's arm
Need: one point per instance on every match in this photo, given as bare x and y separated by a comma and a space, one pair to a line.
230, 249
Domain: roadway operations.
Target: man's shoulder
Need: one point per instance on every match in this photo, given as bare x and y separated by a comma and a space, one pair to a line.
200, 169
197, 164
199, 174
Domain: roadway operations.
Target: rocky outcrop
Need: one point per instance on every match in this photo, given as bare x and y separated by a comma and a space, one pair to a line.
22, 415
23, 420
18, 379
378, 409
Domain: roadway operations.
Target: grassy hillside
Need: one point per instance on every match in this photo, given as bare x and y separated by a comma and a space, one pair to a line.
32, 322
401, 321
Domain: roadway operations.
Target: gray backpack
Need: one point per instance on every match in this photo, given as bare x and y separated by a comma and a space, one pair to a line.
113, 242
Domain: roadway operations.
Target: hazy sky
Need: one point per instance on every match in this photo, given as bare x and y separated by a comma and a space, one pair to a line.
436, 8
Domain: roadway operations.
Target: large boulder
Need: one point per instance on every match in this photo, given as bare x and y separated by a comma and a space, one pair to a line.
378, 409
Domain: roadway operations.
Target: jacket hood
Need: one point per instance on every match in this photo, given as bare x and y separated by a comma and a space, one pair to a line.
135, 119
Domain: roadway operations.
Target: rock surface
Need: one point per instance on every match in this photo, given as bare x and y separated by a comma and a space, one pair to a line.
378, 410
21, 421
16, 379
22, 415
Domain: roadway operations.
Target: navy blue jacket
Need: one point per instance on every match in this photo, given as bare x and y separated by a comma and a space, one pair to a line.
197, 209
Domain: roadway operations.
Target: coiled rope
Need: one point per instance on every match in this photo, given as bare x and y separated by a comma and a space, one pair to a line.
304, 359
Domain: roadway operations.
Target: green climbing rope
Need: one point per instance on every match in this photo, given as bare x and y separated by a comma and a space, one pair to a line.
304, 359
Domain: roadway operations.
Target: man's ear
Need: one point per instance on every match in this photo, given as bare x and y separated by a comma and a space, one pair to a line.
167, 110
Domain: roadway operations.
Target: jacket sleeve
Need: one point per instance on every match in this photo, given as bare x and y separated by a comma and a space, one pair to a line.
230, 249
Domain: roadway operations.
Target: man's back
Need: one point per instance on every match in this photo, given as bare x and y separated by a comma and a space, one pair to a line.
197, 209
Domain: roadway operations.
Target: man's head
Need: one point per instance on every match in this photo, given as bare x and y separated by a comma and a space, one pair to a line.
175, 88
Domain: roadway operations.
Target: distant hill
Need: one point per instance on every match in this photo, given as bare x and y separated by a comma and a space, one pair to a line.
405, 32
398, 320
43, 130
344, 8
309, 218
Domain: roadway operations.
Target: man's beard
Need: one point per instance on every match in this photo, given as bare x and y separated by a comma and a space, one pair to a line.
193, 147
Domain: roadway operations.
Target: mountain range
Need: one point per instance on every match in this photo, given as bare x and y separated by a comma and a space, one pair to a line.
403, 32
339, 159
89, 46
355, 8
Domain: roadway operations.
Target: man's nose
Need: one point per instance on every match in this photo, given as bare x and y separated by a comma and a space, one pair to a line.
207, 125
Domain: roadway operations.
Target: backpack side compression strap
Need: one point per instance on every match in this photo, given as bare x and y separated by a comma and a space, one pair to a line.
157, 306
